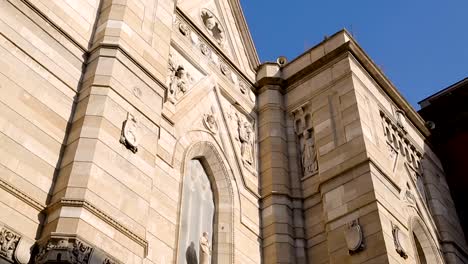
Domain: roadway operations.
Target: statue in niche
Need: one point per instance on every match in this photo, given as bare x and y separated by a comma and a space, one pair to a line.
205, 249
246, 138
213, 25
309, 154
191, 254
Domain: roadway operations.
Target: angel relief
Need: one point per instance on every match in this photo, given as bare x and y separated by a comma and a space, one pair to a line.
213, 25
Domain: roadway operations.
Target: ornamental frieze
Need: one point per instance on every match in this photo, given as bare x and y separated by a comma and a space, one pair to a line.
207, 52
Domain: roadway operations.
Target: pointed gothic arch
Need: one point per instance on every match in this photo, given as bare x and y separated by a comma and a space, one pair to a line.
424, 247
201, 146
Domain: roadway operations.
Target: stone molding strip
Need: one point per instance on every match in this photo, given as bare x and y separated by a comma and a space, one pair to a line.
64, 202
21, 195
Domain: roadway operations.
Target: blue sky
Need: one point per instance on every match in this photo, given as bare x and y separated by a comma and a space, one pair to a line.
422, 46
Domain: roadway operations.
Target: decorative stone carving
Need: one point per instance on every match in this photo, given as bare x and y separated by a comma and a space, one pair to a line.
252, 96
209, 121
184, 29
8, 243
23, 250
205, 249
409, 198
130, 136
137, 92
213, 25
109, 261
66, 249
399, 241
224, 69
246, 138
242, 88
205, 50
354, 237
309, 153
179, 80
399, 141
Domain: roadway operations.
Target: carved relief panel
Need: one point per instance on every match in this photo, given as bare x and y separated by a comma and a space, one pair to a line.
182, 75
306, 140
245, 139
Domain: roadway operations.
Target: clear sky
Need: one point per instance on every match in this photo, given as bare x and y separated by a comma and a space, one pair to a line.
422, 46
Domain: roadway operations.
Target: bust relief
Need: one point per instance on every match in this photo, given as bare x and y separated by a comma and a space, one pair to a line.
213, 25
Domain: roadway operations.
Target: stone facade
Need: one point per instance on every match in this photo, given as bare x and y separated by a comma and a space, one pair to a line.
126, 123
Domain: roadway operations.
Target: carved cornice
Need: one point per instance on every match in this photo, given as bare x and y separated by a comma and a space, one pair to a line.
103, 216
226, 67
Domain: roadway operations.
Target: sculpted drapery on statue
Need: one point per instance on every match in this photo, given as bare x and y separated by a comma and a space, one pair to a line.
308, 153
246, 138
205, 249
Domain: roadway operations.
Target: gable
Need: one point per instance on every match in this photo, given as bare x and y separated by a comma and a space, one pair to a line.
223, 24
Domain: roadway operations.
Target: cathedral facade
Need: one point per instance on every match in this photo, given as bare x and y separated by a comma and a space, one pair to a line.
147, 131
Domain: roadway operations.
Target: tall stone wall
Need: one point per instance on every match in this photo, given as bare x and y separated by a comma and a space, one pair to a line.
367, 192
103, 106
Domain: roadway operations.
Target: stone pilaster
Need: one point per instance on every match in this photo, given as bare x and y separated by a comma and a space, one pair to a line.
277, 206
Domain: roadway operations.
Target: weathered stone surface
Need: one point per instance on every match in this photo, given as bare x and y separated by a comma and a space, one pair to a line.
130, 128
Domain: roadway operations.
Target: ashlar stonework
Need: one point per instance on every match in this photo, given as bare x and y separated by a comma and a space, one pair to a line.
148, 132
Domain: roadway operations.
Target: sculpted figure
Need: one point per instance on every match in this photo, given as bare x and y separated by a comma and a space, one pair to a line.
309, 154
246, 138
178, 85
213, 25
8, 243
205, 249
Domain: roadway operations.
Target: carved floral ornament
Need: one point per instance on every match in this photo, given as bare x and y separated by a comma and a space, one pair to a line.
130, 135
354, 237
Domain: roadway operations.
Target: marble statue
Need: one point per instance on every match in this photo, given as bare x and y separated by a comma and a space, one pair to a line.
205, 249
